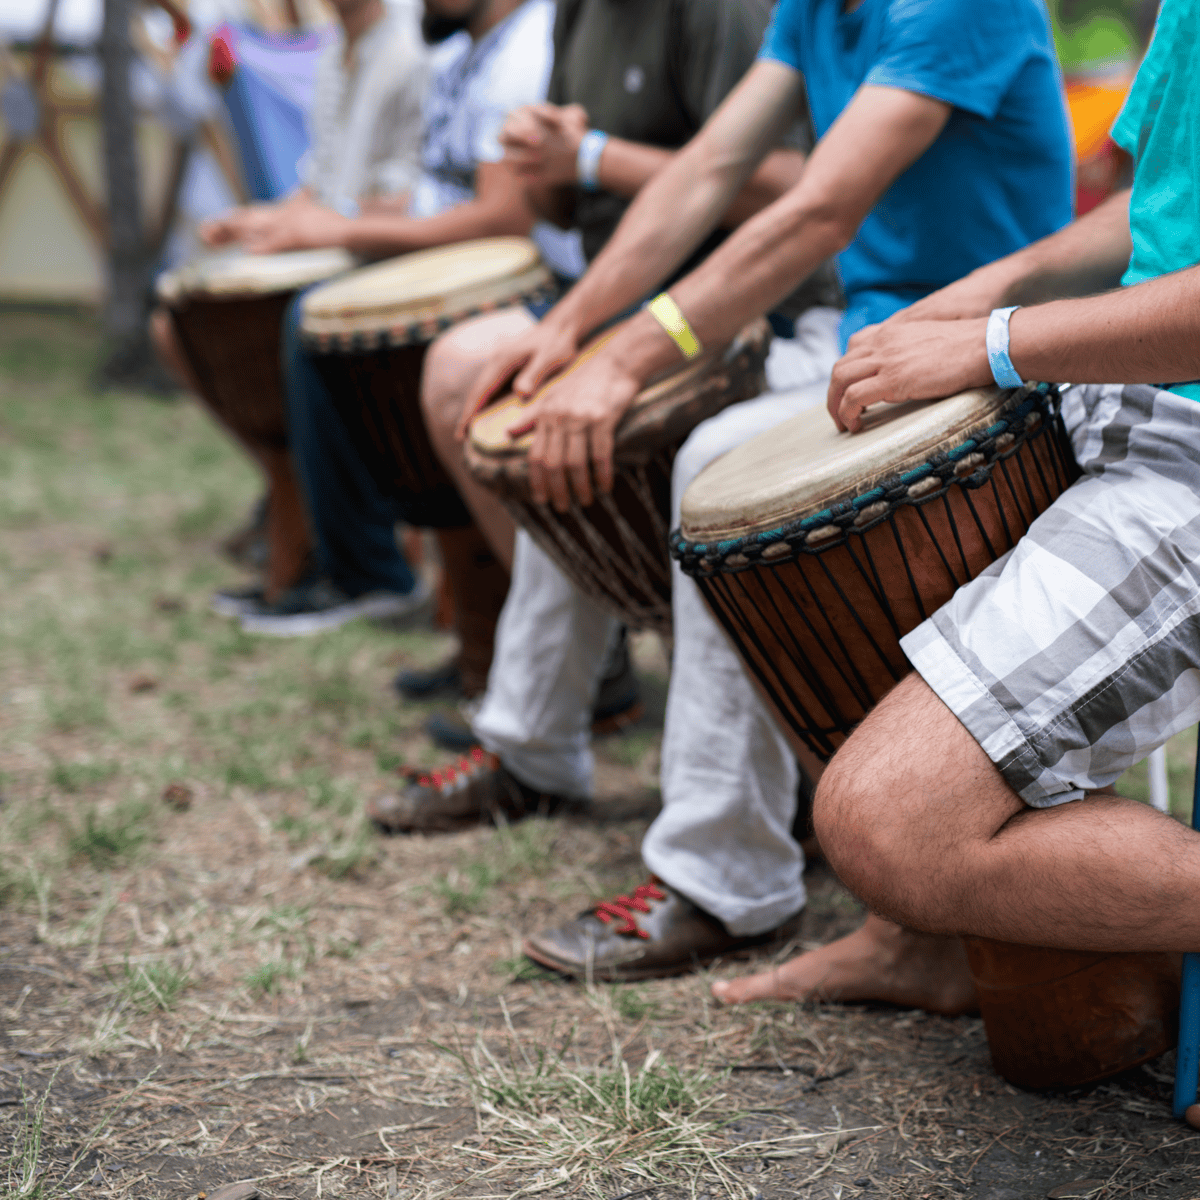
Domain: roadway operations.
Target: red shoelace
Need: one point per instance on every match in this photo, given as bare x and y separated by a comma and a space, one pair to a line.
447, 777
623, 907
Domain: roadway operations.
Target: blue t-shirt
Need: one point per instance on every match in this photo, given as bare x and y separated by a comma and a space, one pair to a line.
1160, 127
997, 177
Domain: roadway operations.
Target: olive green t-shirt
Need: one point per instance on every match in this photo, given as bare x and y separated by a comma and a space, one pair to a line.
653, 71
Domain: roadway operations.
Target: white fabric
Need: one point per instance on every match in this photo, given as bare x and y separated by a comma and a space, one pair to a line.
365, 124
729, 778
478, 84
551, 647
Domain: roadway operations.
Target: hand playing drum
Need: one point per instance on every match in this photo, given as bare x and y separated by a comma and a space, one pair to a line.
611, 540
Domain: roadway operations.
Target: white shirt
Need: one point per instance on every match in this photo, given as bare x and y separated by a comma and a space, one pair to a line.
365, 123
478, 84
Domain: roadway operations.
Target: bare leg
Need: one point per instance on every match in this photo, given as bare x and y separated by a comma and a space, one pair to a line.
452, 368
879, 962
920, 824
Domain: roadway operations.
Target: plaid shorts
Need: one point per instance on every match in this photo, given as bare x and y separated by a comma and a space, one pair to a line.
1078, 652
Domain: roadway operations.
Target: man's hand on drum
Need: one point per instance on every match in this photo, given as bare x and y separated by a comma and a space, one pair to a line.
236, 224
541, 142
304, 225
576, 419
522, 366
907, 360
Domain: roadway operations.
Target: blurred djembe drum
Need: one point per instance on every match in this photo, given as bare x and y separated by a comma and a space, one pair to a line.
818, 551
615, 549
227, 312
368, 333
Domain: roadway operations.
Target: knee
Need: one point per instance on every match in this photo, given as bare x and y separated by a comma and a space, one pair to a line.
450, 367
875, 845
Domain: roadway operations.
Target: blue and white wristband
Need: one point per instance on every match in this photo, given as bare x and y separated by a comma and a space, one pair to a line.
587, 160
1003, 371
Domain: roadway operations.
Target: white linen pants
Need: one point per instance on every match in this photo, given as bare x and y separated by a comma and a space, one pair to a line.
729, 778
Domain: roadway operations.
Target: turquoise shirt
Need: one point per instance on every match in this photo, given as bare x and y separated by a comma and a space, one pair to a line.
1160, 127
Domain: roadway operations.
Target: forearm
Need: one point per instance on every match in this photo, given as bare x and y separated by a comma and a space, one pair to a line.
755, 268
672, 214
381, 235
1087, 256
1149, 333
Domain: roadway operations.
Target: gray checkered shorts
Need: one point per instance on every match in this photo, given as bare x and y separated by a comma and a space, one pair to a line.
1078, 652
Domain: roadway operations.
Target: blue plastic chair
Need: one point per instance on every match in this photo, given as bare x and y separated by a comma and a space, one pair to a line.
1187, 1056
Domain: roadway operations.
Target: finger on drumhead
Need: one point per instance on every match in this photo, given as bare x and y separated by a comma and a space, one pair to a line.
493, 385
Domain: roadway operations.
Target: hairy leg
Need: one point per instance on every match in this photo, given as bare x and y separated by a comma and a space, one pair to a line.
919, 823
452, 368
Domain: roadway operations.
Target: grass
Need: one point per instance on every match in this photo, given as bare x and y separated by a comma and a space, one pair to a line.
267, 977
152, 986
512, 852
105, 839
594, 1130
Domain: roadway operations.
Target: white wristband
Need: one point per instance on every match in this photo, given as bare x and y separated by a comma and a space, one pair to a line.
587, 160
1003, 371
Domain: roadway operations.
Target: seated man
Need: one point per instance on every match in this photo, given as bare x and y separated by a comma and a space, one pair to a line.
938, 153
364, 152
971, 800
499, 59
583, 157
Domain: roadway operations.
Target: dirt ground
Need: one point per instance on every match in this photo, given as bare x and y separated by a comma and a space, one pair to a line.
211, 970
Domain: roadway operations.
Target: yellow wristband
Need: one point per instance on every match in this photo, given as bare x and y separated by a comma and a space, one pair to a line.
666, 312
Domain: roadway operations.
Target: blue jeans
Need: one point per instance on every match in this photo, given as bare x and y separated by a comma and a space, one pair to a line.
351, 522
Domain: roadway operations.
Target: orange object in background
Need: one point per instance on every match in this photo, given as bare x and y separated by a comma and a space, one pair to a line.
1100, 163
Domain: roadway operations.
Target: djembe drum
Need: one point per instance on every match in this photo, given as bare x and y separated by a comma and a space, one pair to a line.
368, 333
615, 549
227, 312
819, 550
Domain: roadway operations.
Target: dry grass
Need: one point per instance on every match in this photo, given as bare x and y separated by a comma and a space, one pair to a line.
243, 981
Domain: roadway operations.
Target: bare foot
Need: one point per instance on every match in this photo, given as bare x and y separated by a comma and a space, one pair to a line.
880, 962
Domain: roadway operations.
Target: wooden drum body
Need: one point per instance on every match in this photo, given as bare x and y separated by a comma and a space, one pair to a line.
818, 551
615, 550
368, 333
228, 315
1064, 1018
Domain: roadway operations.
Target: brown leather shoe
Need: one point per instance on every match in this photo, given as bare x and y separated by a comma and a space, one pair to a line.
654, 932
475, 790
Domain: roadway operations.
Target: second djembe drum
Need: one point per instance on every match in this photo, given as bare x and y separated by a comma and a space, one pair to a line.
819, 550
615, 549
368, 333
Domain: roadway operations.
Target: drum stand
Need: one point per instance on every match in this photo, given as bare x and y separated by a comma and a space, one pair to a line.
1187, 1055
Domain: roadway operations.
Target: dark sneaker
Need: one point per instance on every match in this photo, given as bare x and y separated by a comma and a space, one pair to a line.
312, 607
475, 790
237, 602
444, 679
655, 932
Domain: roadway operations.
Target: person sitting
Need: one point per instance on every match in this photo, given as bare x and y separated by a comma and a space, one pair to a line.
976, 797
938, 153
584, 154
364, 153
496, 56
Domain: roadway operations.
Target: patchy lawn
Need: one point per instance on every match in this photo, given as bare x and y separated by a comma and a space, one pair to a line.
212, 970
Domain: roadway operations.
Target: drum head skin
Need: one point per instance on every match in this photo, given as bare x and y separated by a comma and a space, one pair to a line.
805, 465
411, 299
240, 274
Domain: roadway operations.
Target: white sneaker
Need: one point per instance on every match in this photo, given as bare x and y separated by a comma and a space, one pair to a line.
313, 607
236, 602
